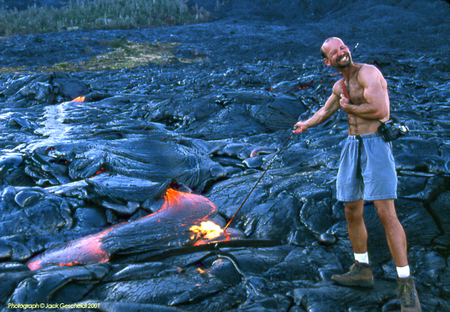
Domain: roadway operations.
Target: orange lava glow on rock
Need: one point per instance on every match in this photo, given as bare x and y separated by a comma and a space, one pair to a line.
79, 99
100, 171
86, 250
173, 198
35, 265
176, 202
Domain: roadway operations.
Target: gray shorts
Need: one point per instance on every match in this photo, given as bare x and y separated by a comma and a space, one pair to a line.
376, 179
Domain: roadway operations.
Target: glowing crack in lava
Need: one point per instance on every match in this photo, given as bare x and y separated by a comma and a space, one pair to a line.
181, 221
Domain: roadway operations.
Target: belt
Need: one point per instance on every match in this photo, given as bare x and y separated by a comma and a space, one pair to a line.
358, 163
360, 144
364, 136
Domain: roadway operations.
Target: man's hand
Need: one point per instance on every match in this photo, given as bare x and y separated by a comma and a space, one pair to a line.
345, 104
300, 127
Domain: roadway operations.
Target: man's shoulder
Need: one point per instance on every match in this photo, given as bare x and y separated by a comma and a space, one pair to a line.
337, 87
368, 69
338, 82
369, 72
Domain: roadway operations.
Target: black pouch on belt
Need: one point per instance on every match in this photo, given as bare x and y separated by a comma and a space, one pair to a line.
392, 129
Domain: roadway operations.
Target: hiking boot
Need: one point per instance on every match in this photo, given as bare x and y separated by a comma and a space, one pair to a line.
360, 274
407, 293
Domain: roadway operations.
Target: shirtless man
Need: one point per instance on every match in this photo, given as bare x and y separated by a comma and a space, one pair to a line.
367, 169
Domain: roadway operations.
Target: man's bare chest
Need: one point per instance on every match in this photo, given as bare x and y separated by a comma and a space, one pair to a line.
355, 92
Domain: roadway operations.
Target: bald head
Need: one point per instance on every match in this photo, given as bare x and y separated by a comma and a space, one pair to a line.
324, 50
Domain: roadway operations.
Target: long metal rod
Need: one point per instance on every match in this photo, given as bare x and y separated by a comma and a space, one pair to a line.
231, 220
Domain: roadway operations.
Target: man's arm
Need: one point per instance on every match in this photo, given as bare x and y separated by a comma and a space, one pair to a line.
376, 108
330, 107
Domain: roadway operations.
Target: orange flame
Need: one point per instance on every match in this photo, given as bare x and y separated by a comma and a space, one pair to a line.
79, 99
207, 229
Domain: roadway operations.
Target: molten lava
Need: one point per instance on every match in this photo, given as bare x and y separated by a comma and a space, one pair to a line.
181, 221
86, 250
208, 230
79, 99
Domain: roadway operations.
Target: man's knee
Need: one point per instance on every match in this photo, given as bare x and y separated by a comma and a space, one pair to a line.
354, 209
355, 205
386, 210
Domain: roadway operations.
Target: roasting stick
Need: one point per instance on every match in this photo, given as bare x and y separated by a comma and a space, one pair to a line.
273, 159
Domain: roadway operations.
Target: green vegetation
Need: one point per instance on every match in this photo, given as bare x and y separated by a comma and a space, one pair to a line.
100, 14
122, 54
105, 14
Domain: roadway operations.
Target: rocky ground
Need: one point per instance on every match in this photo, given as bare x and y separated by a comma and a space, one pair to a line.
209, 119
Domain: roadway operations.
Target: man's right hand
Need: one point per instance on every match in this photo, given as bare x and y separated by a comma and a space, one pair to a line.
300, 127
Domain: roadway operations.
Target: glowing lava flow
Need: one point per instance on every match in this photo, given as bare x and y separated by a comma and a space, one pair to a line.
179, 222
79, 99
88, 250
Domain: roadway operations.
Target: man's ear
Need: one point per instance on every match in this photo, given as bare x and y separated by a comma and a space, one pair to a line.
326, 61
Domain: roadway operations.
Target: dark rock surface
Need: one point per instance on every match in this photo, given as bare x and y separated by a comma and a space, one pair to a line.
72, 169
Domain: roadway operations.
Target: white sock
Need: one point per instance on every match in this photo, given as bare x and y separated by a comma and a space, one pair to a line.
362, 257
403, 271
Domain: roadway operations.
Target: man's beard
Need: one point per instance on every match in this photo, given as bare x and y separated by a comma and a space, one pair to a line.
346, 63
